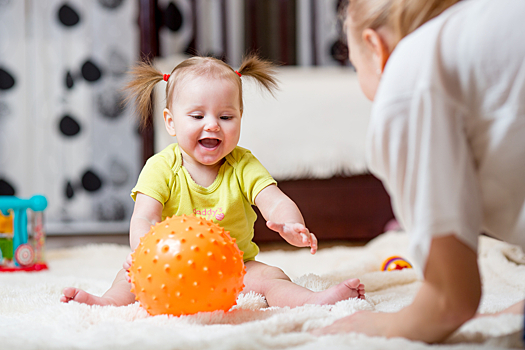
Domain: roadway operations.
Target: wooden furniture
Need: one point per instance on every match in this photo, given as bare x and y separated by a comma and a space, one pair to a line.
354, 208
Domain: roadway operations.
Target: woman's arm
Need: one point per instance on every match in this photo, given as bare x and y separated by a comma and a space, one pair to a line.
283, 216
147, 212
449, 297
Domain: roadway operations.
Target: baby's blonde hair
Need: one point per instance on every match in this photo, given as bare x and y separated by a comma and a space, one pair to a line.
401, 16
145, 77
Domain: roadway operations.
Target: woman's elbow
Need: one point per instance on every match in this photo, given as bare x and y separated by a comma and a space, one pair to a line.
461, 310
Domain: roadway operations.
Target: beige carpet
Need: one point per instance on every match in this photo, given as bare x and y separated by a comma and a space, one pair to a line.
31, 317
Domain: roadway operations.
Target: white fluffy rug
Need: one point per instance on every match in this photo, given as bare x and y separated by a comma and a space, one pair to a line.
31, 316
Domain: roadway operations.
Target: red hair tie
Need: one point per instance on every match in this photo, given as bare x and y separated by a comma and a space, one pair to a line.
166, 77
239, 74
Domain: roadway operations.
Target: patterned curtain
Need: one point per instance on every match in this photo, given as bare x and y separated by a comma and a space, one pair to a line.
288, 32
64, 131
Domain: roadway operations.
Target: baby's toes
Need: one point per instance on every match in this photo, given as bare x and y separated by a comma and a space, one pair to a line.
361, 291
68, 294
353, 283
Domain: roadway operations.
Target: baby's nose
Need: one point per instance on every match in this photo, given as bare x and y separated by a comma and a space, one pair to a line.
212, 126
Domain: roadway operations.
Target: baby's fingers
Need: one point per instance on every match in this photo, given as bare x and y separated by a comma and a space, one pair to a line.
313, 243
299, 228
310, 240
127, 264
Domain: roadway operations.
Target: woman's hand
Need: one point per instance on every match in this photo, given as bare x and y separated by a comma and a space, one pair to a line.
448, 297
366, 322
296, 234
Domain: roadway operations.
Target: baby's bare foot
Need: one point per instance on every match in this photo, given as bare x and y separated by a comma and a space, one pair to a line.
83, 297
352, 288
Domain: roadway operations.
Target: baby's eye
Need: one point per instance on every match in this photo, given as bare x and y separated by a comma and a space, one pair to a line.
196, 116
226, 117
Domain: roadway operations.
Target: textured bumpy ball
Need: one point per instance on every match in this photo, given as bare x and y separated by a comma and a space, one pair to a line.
395, 263
185, 265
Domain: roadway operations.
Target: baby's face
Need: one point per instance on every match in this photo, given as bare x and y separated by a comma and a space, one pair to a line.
206, 119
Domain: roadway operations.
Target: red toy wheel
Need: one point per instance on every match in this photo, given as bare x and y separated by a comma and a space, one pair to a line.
24, 255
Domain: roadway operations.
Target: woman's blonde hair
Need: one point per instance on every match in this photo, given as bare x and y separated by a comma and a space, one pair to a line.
401, 16
145, 76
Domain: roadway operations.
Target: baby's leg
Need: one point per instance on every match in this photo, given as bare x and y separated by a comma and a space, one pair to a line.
118, 294
279, 290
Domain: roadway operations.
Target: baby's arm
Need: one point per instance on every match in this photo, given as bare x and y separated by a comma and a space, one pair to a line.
147, 212
284, 217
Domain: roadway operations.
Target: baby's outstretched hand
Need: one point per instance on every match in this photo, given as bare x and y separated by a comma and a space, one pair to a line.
296, 234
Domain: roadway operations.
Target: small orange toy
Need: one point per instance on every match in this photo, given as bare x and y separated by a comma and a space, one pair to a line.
185, 265
395, 263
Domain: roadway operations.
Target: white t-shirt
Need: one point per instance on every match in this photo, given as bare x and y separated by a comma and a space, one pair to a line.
447, 132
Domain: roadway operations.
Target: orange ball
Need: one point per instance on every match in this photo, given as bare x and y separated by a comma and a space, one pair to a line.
185, 265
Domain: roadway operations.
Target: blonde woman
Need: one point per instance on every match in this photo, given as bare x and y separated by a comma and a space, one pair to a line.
447, 138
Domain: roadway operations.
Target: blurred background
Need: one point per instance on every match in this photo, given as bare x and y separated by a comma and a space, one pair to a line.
64, 131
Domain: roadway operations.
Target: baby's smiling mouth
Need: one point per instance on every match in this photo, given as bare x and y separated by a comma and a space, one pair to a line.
209, 143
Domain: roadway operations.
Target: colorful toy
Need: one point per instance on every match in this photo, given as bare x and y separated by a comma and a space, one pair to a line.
185, 265
395, 263
16, 251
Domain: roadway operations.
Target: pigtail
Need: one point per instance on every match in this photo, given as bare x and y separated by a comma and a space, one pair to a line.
144, 78
260, 70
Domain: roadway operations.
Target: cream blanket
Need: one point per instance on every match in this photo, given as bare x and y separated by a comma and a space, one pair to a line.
31, 316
